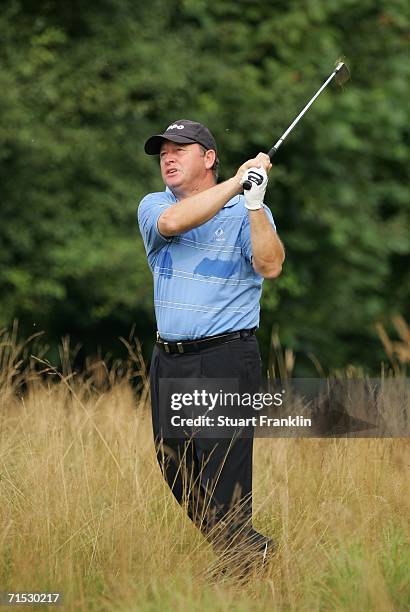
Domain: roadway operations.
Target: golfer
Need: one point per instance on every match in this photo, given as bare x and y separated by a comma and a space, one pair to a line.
209, 248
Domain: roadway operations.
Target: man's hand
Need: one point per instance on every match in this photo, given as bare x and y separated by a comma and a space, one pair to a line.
195, 210
259, 180
262, 160
267, 250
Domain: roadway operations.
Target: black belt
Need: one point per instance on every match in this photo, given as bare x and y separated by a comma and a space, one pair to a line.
192, 346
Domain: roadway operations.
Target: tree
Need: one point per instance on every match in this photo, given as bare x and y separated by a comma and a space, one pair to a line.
84, 85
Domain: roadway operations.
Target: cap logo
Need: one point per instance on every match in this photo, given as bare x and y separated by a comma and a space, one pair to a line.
175, 126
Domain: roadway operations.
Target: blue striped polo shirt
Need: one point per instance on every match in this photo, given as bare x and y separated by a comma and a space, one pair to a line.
204, 282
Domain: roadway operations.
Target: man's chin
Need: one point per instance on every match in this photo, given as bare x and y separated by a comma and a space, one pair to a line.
173, 183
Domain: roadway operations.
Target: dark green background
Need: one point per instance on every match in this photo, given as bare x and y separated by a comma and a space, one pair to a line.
82, 87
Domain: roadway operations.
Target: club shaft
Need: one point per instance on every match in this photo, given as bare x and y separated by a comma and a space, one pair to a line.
343, 76
299, 117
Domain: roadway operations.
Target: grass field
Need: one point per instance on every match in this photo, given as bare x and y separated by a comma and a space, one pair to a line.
84, 510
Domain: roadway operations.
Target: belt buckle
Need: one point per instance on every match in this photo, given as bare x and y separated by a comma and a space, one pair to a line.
180, 347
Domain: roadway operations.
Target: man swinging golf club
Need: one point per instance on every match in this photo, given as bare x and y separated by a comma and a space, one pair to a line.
209, 249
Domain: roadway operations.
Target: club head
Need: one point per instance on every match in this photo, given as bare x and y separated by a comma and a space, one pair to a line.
342, 73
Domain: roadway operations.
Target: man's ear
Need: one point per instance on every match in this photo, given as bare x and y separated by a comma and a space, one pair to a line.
210, 157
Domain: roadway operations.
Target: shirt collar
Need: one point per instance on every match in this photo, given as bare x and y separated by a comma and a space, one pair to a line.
232, 202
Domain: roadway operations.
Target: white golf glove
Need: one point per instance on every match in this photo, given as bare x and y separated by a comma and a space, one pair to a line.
259, 180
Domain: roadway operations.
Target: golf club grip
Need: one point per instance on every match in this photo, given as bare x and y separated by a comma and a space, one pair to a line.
272, 152
247, 184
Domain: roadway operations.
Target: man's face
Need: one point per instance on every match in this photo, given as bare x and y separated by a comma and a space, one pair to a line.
183, 166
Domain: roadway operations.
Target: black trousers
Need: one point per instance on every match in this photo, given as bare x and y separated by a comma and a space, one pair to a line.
212, 478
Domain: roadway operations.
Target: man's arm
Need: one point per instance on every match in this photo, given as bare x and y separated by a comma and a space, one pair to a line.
199, 208
196, 210
268, 253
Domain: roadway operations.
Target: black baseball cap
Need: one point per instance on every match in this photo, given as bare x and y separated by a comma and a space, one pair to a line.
183, 131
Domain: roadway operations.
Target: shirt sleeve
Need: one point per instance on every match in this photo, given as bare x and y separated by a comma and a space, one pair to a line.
246, 234
149, 211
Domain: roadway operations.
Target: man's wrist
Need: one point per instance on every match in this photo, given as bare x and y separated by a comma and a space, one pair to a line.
236, 184
253, 206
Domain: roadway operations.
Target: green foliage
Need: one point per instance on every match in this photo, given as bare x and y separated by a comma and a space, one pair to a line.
84, 85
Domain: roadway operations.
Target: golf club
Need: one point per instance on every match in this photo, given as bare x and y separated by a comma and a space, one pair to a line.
341, 75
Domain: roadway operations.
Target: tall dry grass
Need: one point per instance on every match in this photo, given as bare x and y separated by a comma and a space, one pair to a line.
84, 509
